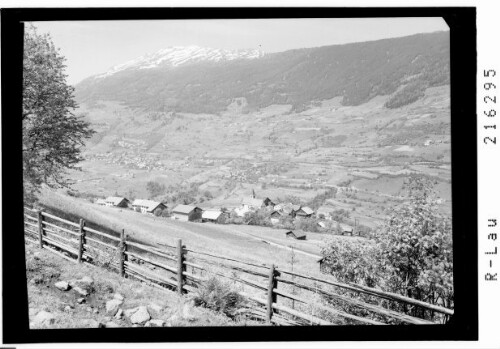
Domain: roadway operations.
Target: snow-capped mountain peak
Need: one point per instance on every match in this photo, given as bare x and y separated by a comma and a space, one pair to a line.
180, 55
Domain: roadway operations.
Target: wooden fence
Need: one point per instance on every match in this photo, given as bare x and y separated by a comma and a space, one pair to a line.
278, 296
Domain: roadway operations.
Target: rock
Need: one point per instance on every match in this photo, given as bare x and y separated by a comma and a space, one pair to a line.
112, 306
119, 313
135, 325
118, 296
81, 291
101, 325
111, 324
156, 307
44, 318
187, 312
86, 280
68, 309
89, 309
155, 323
131, 311
62, 285
36, 255
90, 323
80, 300
96, 311
140, 316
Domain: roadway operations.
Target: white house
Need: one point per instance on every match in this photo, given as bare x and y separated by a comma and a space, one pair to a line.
186, 213
148, 206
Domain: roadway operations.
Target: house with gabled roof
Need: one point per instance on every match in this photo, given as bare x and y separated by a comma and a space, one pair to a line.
304, 212
117, 201
213, 216
187, 213
295, 235
148, 206
101, 202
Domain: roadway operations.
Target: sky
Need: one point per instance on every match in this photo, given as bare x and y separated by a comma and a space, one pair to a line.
93, 47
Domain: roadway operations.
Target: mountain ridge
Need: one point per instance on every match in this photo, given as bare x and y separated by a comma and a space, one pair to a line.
357, 72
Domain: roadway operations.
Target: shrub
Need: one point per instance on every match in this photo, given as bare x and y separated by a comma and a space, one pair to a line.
218, 296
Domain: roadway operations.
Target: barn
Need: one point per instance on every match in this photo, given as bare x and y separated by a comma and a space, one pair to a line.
101, 202
186, 213
148, 206
304, 212
117, 201
213, 216
295, 235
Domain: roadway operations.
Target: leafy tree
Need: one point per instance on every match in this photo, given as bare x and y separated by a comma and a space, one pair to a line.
155, 188
52, 134
417, 245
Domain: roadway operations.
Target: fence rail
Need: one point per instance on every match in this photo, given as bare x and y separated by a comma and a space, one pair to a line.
272, 289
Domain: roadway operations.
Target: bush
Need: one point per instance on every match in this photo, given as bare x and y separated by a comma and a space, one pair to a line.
218, 296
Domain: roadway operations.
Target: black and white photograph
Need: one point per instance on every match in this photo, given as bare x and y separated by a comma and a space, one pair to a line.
244, 172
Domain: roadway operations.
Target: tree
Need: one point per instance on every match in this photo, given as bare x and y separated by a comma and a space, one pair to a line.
155, 188
417, 246
52, 134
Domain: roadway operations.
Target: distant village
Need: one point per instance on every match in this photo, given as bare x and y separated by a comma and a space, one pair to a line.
271, 214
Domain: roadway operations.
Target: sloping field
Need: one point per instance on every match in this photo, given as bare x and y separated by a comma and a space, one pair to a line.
229, 240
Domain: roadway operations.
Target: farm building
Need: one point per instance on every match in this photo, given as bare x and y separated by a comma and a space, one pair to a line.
117, 201
295, 235
148, 206
344, 228
251, 204
101, 202
287, 209
324, 212
187, 213
213, 216
304, 212
275, 216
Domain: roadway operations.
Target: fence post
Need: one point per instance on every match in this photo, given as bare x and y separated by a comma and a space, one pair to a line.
40, 228
271, 296
121, 249
81, 241
180, 266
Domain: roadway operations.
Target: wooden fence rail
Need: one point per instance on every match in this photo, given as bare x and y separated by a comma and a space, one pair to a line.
167, 268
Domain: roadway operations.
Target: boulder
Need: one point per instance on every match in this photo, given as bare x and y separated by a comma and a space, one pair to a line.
111, 324
131, 311
86, 280
68, 308
90, 323
80, 300
118, 296
44, 318
155, 323
81, 291
112, 306
155, 307
62, 285
140, 316
119, 313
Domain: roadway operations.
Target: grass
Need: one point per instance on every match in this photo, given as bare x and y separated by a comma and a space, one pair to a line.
44, 269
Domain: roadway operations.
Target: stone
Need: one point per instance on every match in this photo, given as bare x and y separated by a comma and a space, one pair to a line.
186, 312
68, 309
81, 291
131, 311
119, 313
90, 323
155, 323
80, 300
111, 324
112, 306
96, 311
89, 309
140, 316
62, 285
156, 307
118, 296
44, 318
87, 280
36, 255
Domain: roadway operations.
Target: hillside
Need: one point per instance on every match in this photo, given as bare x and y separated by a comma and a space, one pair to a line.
355, 72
